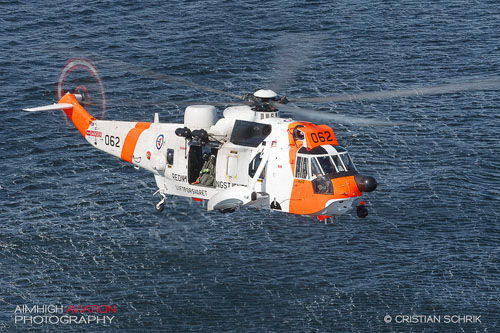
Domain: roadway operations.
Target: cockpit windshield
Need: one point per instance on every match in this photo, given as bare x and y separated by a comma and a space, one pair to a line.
327, 162
338, 164
331, 164
347, 161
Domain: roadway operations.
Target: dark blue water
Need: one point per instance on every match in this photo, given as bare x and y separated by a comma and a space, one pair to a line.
78, 227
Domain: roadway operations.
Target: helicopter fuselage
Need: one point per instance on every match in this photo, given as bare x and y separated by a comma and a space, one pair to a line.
250, 157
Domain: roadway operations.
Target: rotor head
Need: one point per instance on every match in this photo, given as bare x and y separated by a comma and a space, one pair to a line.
265, 94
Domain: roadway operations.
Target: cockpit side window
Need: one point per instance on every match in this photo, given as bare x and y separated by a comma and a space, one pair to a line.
315, 168
301, 167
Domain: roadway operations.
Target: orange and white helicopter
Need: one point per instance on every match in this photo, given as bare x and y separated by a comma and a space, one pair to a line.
250, 157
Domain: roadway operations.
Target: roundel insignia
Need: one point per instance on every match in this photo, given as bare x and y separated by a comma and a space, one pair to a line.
159, 141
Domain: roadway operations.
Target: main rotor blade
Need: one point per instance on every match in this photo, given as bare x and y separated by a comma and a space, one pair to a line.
144, 72
151, 74
177, 103
482, 84
292, 51
346, 120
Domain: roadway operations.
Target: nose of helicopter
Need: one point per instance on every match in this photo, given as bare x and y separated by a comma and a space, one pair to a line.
365, 183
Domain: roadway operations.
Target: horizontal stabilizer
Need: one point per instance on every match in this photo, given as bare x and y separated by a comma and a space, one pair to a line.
60, 106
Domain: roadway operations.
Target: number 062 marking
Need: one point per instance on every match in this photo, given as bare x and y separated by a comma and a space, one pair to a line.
111, 140
321, 136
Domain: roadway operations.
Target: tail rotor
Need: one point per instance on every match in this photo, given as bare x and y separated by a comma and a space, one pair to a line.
74, 77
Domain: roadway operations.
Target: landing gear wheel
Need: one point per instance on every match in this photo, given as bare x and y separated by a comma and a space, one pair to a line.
362, 211
159, 207
227, 210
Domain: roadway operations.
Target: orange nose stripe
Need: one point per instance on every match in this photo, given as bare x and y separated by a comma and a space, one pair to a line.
131, 141
303, 200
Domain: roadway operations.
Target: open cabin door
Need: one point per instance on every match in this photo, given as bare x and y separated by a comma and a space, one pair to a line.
202, 161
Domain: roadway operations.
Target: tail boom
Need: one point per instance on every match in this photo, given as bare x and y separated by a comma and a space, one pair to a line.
118, 138
77, 114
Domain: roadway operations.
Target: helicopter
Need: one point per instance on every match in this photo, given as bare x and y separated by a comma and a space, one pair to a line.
251, 157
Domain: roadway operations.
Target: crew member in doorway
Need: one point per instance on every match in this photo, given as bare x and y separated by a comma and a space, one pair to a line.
207, 173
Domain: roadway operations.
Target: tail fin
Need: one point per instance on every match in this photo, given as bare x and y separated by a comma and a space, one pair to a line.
75, 112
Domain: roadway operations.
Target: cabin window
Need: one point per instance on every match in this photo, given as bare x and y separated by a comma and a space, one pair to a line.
301, 167
254, 165
170, 156
232, 166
